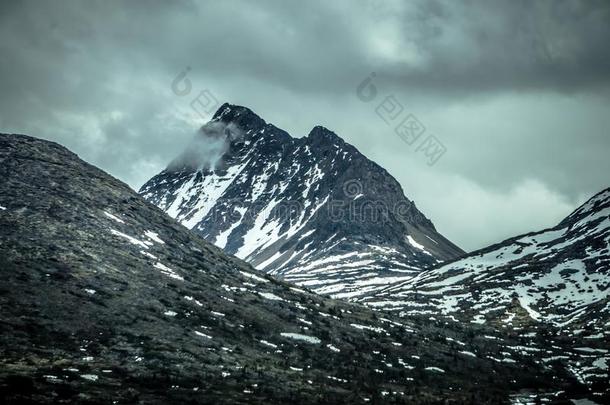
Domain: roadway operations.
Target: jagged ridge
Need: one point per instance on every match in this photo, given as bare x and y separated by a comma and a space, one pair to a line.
553, 284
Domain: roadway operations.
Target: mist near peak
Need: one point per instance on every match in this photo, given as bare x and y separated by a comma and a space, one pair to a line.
206, 149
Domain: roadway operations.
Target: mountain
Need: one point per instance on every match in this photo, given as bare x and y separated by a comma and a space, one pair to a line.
554, 283
311, 210
106, 299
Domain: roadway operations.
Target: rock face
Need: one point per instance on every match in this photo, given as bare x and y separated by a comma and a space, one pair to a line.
313, 210
106, 299
555, 282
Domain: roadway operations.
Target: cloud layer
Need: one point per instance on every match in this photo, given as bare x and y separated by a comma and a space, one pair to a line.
516, 91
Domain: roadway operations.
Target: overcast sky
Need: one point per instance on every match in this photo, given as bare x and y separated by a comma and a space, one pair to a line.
517, 91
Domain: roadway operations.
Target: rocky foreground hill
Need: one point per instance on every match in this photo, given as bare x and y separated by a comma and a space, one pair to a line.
106, 299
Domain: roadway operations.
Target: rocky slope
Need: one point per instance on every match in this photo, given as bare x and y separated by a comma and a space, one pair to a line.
553, 283
313, 210
106, 299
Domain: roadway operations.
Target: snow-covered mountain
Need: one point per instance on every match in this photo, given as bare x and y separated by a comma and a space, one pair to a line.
311, 210
555, 282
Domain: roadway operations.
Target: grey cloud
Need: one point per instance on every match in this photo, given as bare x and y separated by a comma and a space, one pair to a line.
497, 45
517, 91
206, 149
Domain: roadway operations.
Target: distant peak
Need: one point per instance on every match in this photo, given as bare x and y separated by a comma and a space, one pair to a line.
227, 109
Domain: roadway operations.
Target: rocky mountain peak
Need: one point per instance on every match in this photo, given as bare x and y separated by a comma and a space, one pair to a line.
248, 125
322, 135
242, 116
295, 207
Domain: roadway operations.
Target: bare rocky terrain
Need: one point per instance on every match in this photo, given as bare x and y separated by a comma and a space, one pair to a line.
106, 299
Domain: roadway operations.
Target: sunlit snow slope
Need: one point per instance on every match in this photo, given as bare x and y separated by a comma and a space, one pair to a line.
312, 210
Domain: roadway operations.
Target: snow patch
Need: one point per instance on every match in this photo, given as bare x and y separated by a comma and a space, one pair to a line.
154, 237
167, 271
270, 296
254, 277
130, 239
268, 343
298, 336
114, 218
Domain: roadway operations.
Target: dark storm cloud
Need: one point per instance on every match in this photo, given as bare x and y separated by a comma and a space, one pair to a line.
507, 45
517, 90
309, 46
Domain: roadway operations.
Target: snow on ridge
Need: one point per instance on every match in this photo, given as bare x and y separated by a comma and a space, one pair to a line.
261, 233
223, 237
214, 186
416, 245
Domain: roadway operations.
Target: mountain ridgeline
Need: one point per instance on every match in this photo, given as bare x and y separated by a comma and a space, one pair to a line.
552, 285
311, 210
106, 299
